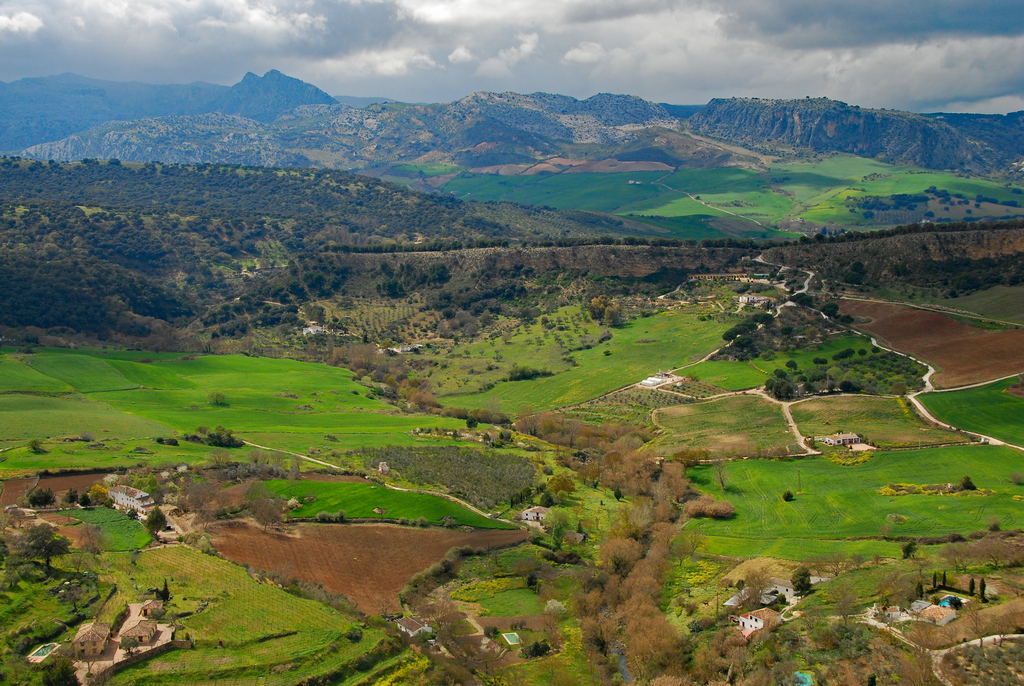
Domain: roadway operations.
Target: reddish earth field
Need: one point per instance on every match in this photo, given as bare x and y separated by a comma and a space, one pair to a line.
14, 489
364, 562
963, 354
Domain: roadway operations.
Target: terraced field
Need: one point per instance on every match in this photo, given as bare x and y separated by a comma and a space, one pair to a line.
990, 410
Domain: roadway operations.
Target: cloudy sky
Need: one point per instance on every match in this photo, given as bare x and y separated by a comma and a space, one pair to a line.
924, 55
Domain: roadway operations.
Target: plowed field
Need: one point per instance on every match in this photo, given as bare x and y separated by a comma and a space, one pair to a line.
962, 354
365, 562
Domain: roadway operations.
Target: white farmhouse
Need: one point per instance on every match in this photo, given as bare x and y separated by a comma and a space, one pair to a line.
757, 620
535, 514
412, 626
839, 439
128, 498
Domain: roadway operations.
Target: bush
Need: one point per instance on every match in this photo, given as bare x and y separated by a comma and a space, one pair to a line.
40, 497
706, 506
537, 649
788, 496
354, 635
518, 373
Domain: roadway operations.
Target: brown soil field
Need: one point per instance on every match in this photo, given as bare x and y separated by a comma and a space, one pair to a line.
14, 490
613, 166
61, 484
963, 354
365, 562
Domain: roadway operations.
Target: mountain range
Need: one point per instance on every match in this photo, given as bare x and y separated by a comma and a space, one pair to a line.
277, 120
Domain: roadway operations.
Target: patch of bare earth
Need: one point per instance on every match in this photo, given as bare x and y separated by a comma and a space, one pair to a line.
368, 563
964, 354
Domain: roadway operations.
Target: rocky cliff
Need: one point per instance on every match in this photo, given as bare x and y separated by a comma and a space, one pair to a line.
823, 125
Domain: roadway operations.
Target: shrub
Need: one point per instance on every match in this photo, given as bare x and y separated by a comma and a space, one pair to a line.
706, 506
1016, 478
354, 635
518, 373
788, 496
967, 485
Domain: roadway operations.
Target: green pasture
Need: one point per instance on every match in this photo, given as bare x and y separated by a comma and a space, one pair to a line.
836, 502
120, 532
116, 453
990, 410
431, 168
240, 611
732, 376
359, 499
15, 375
1002, 302
150, 375
740, 424
502, 597
798, 549
815, 191
26, 416
887, 422
638, 349
83, 372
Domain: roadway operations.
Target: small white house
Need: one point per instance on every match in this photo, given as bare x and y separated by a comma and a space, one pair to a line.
757, 620
313, 329
129, 498
839, 439
937, 614
783, 587
754, 300
535, 514
412, 626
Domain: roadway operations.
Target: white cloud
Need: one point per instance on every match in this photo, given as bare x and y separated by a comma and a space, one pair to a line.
389, 62
20, 22
461, 54
509, 57
585, 53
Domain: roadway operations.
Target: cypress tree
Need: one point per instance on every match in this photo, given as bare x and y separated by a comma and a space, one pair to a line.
934, 578
970, 588
981, 591
943, 577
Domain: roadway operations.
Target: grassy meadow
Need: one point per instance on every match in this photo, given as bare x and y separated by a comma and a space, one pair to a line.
834, 502
885, 421
120, 533
358, 500
813, 191
739, 424
991, 410
636, 350
239, 611
282, 403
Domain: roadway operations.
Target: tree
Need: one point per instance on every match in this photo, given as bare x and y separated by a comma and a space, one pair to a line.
755, 586
981, 591
156, 520
215, 398
721, 475
788, 496
909, 550
266, 511
84, 500
220, 457
90, 539
970, 587
846, 603
958, 555
129, 645
165, 593
42, 542
70, 498
688, 542
40, 497
72, 594
801, 580
597, 307
60, 672
967, 485
561, 484
98, 494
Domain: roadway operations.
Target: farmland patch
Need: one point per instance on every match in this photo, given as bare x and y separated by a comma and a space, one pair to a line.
365, 562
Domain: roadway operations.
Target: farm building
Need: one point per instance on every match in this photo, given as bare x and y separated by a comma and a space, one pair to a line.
412, 626
91, 639
758, 300
892, 613
839, 439
656, 380
936, 614
313, 329
575, 538
144, 630
765, 618
130, 498
151, 606
782, 587
534, 514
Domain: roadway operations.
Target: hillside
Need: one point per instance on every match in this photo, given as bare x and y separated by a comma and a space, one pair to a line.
823, 125
39, 110
479, 130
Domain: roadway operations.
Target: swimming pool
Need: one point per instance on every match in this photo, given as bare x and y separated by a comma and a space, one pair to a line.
40, 653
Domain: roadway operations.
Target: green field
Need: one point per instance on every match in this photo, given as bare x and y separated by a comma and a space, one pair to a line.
359, 499
83, 372
284, 403
739, 424
22, 461
813, 191
119, 532
26, 416
732, 376
835, 502
990, 410
239, 612
638, 349
15, 375
1002, 302
887, 422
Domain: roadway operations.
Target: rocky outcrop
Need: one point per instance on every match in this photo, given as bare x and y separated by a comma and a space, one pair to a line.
823, 125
